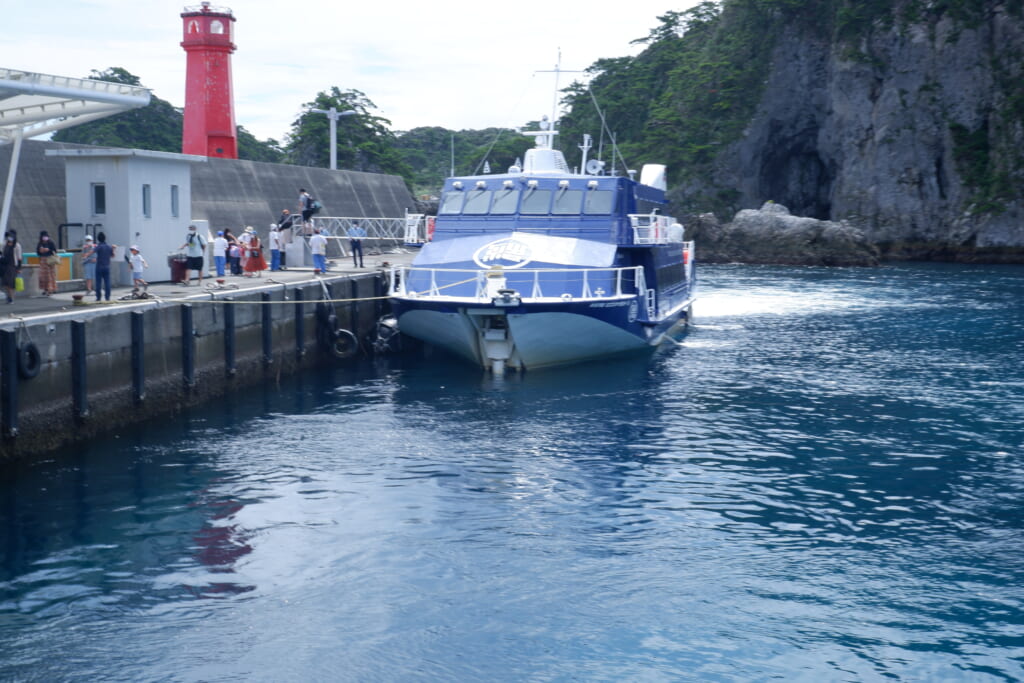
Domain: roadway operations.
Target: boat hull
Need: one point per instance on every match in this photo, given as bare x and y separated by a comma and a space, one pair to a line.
535, 336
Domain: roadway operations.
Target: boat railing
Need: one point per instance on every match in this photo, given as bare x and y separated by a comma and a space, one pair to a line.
483, 286
653, 228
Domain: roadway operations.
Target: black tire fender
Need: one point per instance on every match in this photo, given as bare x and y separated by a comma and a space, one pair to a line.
29, 360
344, 344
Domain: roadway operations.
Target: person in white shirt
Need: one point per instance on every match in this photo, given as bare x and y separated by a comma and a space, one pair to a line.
220, 252
245, 240
318, 245
195, 247
138, 263
274, 242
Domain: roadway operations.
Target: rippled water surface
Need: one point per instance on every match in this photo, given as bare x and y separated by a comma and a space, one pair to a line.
823, 481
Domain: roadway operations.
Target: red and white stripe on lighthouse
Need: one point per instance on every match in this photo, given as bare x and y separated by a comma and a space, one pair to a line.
209, 128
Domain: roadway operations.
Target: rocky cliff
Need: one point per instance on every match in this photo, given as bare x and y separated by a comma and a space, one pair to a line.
913, 133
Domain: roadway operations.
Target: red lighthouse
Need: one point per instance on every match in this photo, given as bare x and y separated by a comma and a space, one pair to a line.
209, 102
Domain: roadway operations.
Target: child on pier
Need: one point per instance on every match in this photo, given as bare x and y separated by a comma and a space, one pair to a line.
138, 263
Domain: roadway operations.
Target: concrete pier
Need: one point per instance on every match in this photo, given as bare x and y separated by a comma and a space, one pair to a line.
101, 366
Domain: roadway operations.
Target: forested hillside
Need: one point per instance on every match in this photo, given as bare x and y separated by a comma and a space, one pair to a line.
904, 117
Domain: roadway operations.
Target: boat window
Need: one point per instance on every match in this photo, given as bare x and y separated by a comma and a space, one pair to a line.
505, 201
451, 202
599, 201
567, 201
536, 201
477, 201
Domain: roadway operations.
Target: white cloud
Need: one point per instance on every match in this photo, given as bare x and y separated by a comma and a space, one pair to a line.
457, 65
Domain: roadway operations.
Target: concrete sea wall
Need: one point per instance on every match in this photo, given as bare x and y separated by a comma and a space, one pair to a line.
105, 367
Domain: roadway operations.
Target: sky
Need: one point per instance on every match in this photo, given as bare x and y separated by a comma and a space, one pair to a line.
465, 65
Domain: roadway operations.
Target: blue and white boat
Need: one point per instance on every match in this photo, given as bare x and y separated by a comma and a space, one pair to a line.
543, 266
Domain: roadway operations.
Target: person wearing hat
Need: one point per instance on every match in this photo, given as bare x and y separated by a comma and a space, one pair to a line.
255, 264
48, 260
244, 240
220, 252
195, 247
138, 263
274, 242
88, 263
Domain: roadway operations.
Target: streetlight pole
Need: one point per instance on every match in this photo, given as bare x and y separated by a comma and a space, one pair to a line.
333, 114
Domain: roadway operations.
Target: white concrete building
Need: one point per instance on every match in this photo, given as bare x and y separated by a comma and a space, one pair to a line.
133, 196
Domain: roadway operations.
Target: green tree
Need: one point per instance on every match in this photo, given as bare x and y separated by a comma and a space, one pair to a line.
365, 141
429, 151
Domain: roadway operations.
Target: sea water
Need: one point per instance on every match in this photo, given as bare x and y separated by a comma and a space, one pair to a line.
822, 481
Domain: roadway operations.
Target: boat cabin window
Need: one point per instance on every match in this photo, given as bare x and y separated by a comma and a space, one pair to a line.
505, 201
477, 201
599, 201
567, 201
451, 202
536, 201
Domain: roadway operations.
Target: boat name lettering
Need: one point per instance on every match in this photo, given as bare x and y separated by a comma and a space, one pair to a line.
508, 252
610, 304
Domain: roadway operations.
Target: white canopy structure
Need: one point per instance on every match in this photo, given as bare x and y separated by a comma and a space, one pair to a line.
34, 104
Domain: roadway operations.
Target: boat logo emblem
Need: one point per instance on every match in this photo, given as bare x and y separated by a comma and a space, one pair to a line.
508, 253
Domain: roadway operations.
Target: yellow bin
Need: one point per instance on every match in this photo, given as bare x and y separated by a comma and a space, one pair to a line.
65, 270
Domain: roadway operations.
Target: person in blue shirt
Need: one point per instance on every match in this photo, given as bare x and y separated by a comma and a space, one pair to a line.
355, 240
104, 253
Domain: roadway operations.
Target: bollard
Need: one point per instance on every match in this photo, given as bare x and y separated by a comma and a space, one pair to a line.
268, 321
79, 383
300, 324
188, 347
229, 337
138, 356
9, 382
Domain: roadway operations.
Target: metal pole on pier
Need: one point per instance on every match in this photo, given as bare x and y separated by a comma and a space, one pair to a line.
333, 114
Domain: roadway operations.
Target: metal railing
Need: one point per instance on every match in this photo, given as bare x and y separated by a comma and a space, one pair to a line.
655, 229
380, 232
481, 286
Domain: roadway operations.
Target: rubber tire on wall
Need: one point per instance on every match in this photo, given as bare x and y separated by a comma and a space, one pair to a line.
29, 360
344, 345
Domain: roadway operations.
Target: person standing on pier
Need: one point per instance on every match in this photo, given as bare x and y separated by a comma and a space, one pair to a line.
104, 253
234, 253
255, 263
89, 263
195, 248
284, 226
10, 264
318, 245
220, 252
355, 240
274, 242
48, 260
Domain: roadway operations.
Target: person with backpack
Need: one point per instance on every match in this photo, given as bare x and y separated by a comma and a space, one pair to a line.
306, 206
195, 248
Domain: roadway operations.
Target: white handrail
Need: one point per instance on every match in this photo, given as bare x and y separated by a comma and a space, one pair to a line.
580, 285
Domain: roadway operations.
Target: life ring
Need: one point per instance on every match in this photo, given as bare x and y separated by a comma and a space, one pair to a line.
344, 345
29, 360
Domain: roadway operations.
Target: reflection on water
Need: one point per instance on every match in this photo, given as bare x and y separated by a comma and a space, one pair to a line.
820, 482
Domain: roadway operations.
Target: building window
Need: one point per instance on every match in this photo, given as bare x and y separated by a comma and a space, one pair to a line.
99, 199
147, 204
174, 201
